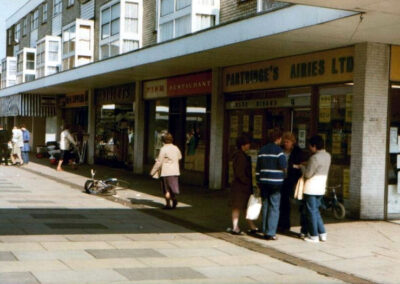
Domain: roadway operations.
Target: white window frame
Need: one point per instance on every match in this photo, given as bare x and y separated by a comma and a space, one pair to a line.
43, 67
70, 3
57, 7
194, 9
45, 12
122, 35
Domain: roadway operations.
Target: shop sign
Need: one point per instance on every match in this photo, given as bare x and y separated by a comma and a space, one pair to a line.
325, 103
188, 85
155, 89
395, 63
257, 126
76, 100
316, 68
269, 103
115, 95
193, 84
48, 101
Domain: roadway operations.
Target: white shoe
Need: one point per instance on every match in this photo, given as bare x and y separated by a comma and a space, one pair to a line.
323, 237
312, 239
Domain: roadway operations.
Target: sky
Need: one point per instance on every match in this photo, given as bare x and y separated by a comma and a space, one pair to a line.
7, 8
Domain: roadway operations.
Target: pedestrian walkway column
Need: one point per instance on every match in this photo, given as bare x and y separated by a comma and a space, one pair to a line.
369, 131
138, 143
91, 126
217, 131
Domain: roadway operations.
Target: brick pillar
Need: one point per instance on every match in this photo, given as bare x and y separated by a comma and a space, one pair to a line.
369, 131
139, 135
217, 131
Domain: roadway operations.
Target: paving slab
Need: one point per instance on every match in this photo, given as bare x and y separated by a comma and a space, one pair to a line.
18, 278
98, 276
159, 273
123, 253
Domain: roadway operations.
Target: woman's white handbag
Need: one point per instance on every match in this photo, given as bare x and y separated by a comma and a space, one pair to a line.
253, 207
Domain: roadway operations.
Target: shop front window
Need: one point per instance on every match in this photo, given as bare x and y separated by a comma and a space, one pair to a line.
334, 125
114, 134
158, 120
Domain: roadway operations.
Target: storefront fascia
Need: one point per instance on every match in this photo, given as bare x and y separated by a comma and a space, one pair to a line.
181, 105
306, 94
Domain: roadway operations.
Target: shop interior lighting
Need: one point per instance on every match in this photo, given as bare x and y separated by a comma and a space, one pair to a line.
196, 110
396, 86
108, 107
162, 109
349, 84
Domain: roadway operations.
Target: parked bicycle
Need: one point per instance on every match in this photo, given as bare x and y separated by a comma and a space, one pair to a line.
330, 201
101, 187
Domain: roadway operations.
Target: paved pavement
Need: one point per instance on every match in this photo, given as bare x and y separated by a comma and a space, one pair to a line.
51, 232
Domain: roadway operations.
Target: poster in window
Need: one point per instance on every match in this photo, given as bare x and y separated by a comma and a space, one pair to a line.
349, 105
234, 126
246, 122
325, 103
302, 138
346, 183
336, 144
257, 127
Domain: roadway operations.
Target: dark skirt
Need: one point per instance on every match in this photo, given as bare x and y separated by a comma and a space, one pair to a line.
170, 184
240, 195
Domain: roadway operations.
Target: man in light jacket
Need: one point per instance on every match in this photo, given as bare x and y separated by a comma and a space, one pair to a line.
66, 140
316, 174
17, 143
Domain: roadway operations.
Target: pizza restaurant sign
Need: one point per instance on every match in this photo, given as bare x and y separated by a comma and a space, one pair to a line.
316, 68
193, 84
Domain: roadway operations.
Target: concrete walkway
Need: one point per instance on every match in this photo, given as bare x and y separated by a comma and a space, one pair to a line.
50, 232
356, 251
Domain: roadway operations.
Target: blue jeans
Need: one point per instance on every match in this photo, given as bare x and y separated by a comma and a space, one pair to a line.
25, 156
271, 197
315, 223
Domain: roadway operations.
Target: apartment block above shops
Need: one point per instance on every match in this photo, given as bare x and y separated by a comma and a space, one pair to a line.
84, 31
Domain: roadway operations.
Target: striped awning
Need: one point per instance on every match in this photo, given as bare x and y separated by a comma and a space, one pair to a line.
32, 105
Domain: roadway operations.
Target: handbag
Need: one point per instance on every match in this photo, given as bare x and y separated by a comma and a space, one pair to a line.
299, 190
156, 170
253, 207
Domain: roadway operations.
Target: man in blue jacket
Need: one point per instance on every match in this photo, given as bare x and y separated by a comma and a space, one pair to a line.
26, 148
270, 173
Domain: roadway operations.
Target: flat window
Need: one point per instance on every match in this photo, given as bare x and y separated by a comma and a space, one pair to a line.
130, 45
40, 55
10, 36
180, 4
167, 31
69, 40
105, 51
110, 21
167, 7
183, 26
71, 2
57, 7
25, 26
205, 21
20, 62
53, 50
17, 34
35, 20
131, 18
44, 13
30, 61
84, 38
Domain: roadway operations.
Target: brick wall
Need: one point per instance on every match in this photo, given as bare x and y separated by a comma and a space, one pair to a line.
70, 14
369, 131
149, 23
232, 9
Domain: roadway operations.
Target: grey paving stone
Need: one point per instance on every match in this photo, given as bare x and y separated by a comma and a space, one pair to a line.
58, 216
7, 256
76, 226
14, 191
160, 273
31, 201
17, 278
123, 253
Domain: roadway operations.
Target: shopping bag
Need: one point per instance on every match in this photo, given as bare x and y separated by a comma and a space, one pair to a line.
156, 170
253, 207
299, 190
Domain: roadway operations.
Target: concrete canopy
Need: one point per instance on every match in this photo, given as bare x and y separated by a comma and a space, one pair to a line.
293, 30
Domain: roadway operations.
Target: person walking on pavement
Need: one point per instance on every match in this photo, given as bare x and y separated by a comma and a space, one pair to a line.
17, 143
270, 173
167, 164
66, 140
4, 139
242, 185
294, 156
316, 175
26, 148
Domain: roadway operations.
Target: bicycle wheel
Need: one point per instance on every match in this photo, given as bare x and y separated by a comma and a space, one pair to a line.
89, 187
339, 211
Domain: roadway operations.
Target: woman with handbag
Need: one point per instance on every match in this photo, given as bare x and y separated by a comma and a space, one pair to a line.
167, 167
242, 186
